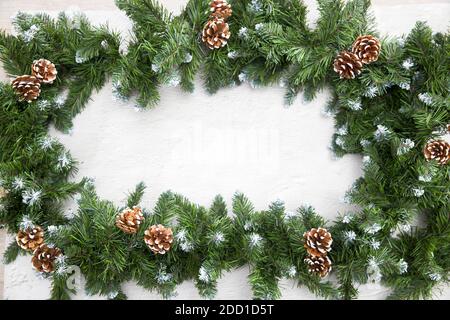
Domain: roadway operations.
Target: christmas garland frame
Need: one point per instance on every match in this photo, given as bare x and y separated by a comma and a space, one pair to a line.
388, 113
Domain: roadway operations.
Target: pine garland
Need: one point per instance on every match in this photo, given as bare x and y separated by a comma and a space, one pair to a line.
388, 114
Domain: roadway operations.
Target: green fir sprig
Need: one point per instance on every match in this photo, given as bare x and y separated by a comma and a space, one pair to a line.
387, 115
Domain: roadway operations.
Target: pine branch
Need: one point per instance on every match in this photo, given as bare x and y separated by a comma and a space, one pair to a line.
12, 252
136, 196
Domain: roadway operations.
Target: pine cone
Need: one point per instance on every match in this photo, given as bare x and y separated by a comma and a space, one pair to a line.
317, 242
30, 238
158, 238
129, 220
44, 70
438, 150
216, 33
220, 9
319, 265
27, 87
44, 258
3, 192
367, 48
348, 65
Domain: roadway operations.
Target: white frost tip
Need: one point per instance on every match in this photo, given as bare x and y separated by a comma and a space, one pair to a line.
255, 6
203, 275
405, 86
373, 271
187, 58
181, 235
371, 92
162, 276
405, 146
52, 229
407, 64
343, 130
218, 237
255, 240
242, 77
30, 33
418, 192
425, 178
426, 98
435, 276
350, 236
233, 54
26, 223
364, 143
175, 80
60, 100
64, 160
366, 161
402, 266
382, 132
404, 228
43, 105
111, 295
374, 228
375, 244
243, 32
104, 44
292, 272
79, 58
31, 197
340, 141
18, 183
354, 105
290, 215
46, 143
155, 68
186, 246
346, 219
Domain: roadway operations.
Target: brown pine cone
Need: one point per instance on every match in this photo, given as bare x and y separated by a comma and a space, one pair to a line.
30, 238
3, 192
158, 238
44, 70
367, 48
319, 265
27, 87
216, 33
44, 258
317, 242
220, 9
438, 150
129, 220
347, 65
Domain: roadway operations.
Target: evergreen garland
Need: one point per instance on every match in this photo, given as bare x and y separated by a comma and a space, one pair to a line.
387, 114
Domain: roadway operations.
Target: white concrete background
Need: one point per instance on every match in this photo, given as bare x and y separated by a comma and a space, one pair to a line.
201, 145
